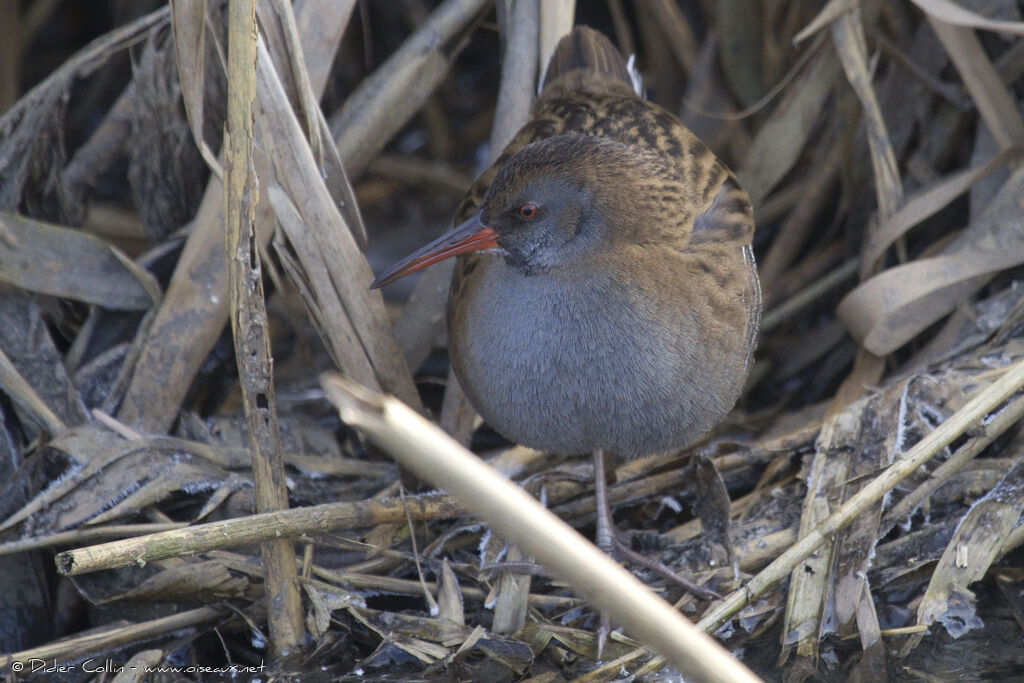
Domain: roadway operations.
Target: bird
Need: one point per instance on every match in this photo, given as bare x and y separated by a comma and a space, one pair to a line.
605, 297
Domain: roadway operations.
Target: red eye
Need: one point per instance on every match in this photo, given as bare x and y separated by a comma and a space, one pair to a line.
528, 210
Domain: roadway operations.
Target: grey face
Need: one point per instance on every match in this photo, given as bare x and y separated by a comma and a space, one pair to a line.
555, 202
541, 224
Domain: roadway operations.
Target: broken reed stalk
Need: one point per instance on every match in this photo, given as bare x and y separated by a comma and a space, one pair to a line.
250, 328
231, 533
109, 640
967, 452
983, 403
391, 584
434, 456
64, 538
295, 523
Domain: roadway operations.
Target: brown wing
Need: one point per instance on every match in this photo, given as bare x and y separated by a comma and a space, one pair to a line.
587, 91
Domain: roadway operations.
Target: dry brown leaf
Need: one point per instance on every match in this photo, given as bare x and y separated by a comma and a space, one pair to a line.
929, 201
188, 581
449, 596
111, 473
888, 310
50, 259
25, 397
32, 372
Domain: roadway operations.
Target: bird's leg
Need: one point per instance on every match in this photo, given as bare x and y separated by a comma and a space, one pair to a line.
607, 539
604, 537
604, 534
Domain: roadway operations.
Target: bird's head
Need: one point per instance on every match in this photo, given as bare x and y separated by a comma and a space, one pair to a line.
553, 204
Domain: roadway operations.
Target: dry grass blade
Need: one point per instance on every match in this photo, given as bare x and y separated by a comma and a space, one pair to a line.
318, 292
929, 201
335, 266
809, 295
194, 310
188, 20
780, 141
433, 455
848, 36
828, 14
996, 105
277, 22
801, 221
952, 13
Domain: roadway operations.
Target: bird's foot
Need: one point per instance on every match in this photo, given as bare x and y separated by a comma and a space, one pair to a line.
607, 539
622, 551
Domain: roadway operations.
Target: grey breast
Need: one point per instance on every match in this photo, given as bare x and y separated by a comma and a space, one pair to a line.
570, 367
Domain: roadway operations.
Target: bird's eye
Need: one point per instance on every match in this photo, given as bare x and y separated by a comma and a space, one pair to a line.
528, 211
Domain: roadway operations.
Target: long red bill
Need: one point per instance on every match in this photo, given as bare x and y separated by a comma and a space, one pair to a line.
470, 236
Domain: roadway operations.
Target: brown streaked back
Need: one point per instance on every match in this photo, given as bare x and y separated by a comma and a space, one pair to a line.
586, 50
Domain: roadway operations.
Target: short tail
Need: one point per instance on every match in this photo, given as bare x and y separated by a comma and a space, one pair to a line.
588, 50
